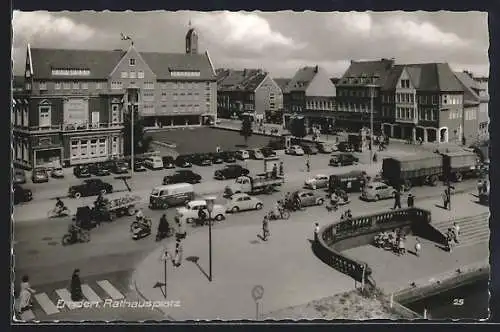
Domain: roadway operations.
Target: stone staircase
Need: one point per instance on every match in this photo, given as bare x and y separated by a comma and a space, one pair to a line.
473, 230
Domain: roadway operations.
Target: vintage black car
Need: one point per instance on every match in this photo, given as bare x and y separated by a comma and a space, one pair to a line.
309, 149
268, 152
345, 147
119, 167
230, 172
90, 187
216, 157
343, 159
201, 159
182, 176
168, 162
21, 194
183, 161
99, 169
81, 171
228, 156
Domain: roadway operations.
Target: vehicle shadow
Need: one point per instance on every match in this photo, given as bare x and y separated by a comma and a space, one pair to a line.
195, 259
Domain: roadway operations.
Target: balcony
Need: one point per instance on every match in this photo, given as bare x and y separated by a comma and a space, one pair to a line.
407, 120
45, 129
72, 127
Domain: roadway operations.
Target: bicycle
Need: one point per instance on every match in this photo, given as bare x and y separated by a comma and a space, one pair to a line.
58, 212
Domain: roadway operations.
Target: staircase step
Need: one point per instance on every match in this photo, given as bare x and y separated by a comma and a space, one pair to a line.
484, 239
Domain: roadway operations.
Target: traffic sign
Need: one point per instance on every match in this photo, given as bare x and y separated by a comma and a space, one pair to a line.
257, 292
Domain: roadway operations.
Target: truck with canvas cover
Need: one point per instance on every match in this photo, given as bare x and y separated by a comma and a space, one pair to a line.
407, 171
458, 164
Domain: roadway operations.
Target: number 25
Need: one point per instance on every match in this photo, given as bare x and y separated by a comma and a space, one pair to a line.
458, 301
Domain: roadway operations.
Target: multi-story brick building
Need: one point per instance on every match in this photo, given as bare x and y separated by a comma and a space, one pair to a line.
248, 91
311, 94
424, 101
357, 89
73, 103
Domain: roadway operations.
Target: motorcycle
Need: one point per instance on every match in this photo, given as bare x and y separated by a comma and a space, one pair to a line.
58, 212
283, 215
81, 236
140, 230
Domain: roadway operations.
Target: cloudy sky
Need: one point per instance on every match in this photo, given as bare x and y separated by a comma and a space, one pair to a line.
279, 42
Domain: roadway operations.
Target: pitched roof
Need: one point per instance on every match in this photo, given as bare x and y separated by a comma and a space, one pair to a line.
469, 85
302, 78
239, 80
102, 62
282, 83
335, 80
378, 69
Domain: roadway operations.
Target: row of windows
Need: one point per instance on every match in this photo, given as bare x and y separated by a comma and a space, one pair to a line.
320, 104
132, 74
454, 115
405, 98
185, 73
470, 115
70, 72
425, 99
405, 113
75, 85
356, 93
93, 148
353, 107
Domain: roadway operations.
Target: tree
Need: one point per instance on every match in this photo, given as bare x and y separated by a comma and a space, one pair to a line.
298, 127
142, 142
246, 128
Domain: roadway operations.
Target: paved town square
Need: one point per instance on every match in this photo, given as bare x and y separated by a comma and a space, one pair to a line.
169, 183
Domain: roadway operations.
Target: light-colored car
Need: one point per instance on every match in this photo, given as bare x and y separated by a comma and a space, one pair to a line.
375, 191
57, 172
308, 198
242, 202
295, 150
242, 154
189, 213
318, 181
325, 148
256, 154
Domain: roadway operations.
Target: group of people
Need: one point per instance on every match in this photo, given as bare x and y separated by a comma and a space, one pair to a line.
410, 200
395, 240
452, 236
275, 171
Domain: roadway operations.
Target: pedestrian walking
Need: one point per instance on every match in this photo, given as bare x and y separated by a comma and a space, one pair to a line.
178, 254
410, 200
479, 187
401, 246
24, 301
397, 200
265, 228
449, 239
275, 171
282, 171
418, 247
316, 232
456, 232
76, 286
375, 158
308, 165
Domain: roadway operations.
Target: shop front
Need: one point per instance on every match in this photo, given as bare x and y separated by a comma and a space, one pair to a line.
83, 149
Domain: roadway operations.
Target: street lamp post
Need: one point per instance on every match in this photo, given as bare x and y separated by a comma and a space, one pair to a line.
132, 111
210, 207
372, 93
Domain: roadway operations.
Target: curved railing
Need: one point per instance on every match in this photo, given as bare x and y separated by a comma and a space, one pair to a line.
359, 231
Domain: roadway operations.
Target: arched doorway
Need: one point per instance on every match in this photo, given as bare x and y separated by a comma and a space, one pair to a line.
443, 135
420, 133
431, 135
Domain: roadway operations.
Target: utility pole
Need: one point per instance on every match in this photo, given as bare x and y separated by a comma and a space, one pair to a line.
372, 93
132, 111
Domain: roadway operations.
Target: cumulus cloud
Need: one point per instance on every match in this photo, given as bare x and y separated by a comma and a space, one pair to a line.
245, 30
356, 22
46, 27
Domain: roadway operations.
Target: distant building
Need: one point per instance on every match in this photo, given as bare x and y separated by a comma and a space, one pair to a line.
424, 101
483, 116
311, 94
73, 103
248, 91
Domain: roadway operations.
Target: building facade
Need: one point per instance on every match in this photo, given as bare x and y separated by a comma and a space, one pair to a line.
248, 91
311, 94
73, 103
483, 116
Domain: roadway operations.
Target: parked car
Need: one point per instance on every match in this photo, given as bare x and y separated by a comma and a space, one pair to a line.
57, 172
309, 149
345, 147
39, 175
201, 159
139, 165
295, 150
90, 187
268, 152
19, 176
308, 198
375, 191
318, 181
154, 162
189, 213
168, 162
256, 154
81, 171
277, 144
21, 194
120, 167
242, 155
99, 169
183, 161
343, 159
216, 157
230, 172
325, 148
228, 157
242, 202
182, 176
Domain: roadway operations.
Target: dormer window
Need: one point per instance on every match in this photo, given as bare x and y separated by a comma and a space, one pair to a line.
131, 62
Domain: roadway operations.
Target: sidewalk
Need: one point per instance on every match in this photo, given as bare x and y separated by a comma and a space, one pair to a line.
241, 261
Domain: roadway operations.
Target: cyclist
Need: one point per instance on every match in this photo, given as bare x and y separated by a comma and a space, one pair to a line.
60, 207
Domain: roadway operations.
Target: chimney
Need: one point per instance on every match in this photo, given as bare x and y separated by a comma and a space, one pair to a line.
316, 69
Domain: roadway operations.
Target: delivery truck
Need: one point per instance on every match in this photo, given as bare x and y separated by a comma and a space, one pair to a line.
460, 164
414, 170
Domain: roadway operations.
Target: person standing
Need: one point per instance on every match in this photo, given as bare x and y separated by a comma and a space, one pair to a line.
479, 187
449, 239
418, 247
308, 165
397, 200
456, 232
411, 200
275, 171
265, 228
316, 232
25, 295
76, 286
282, 171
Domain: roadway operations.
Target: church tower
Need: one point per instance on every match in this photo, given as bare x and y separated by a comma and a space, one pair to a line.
191, 41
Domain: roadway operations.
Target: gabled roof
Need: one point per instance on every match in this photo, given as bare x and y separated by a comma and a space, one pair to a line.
432, 77
282, 83
302, 78
239, 80
102, 62
378, 69
469, 85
